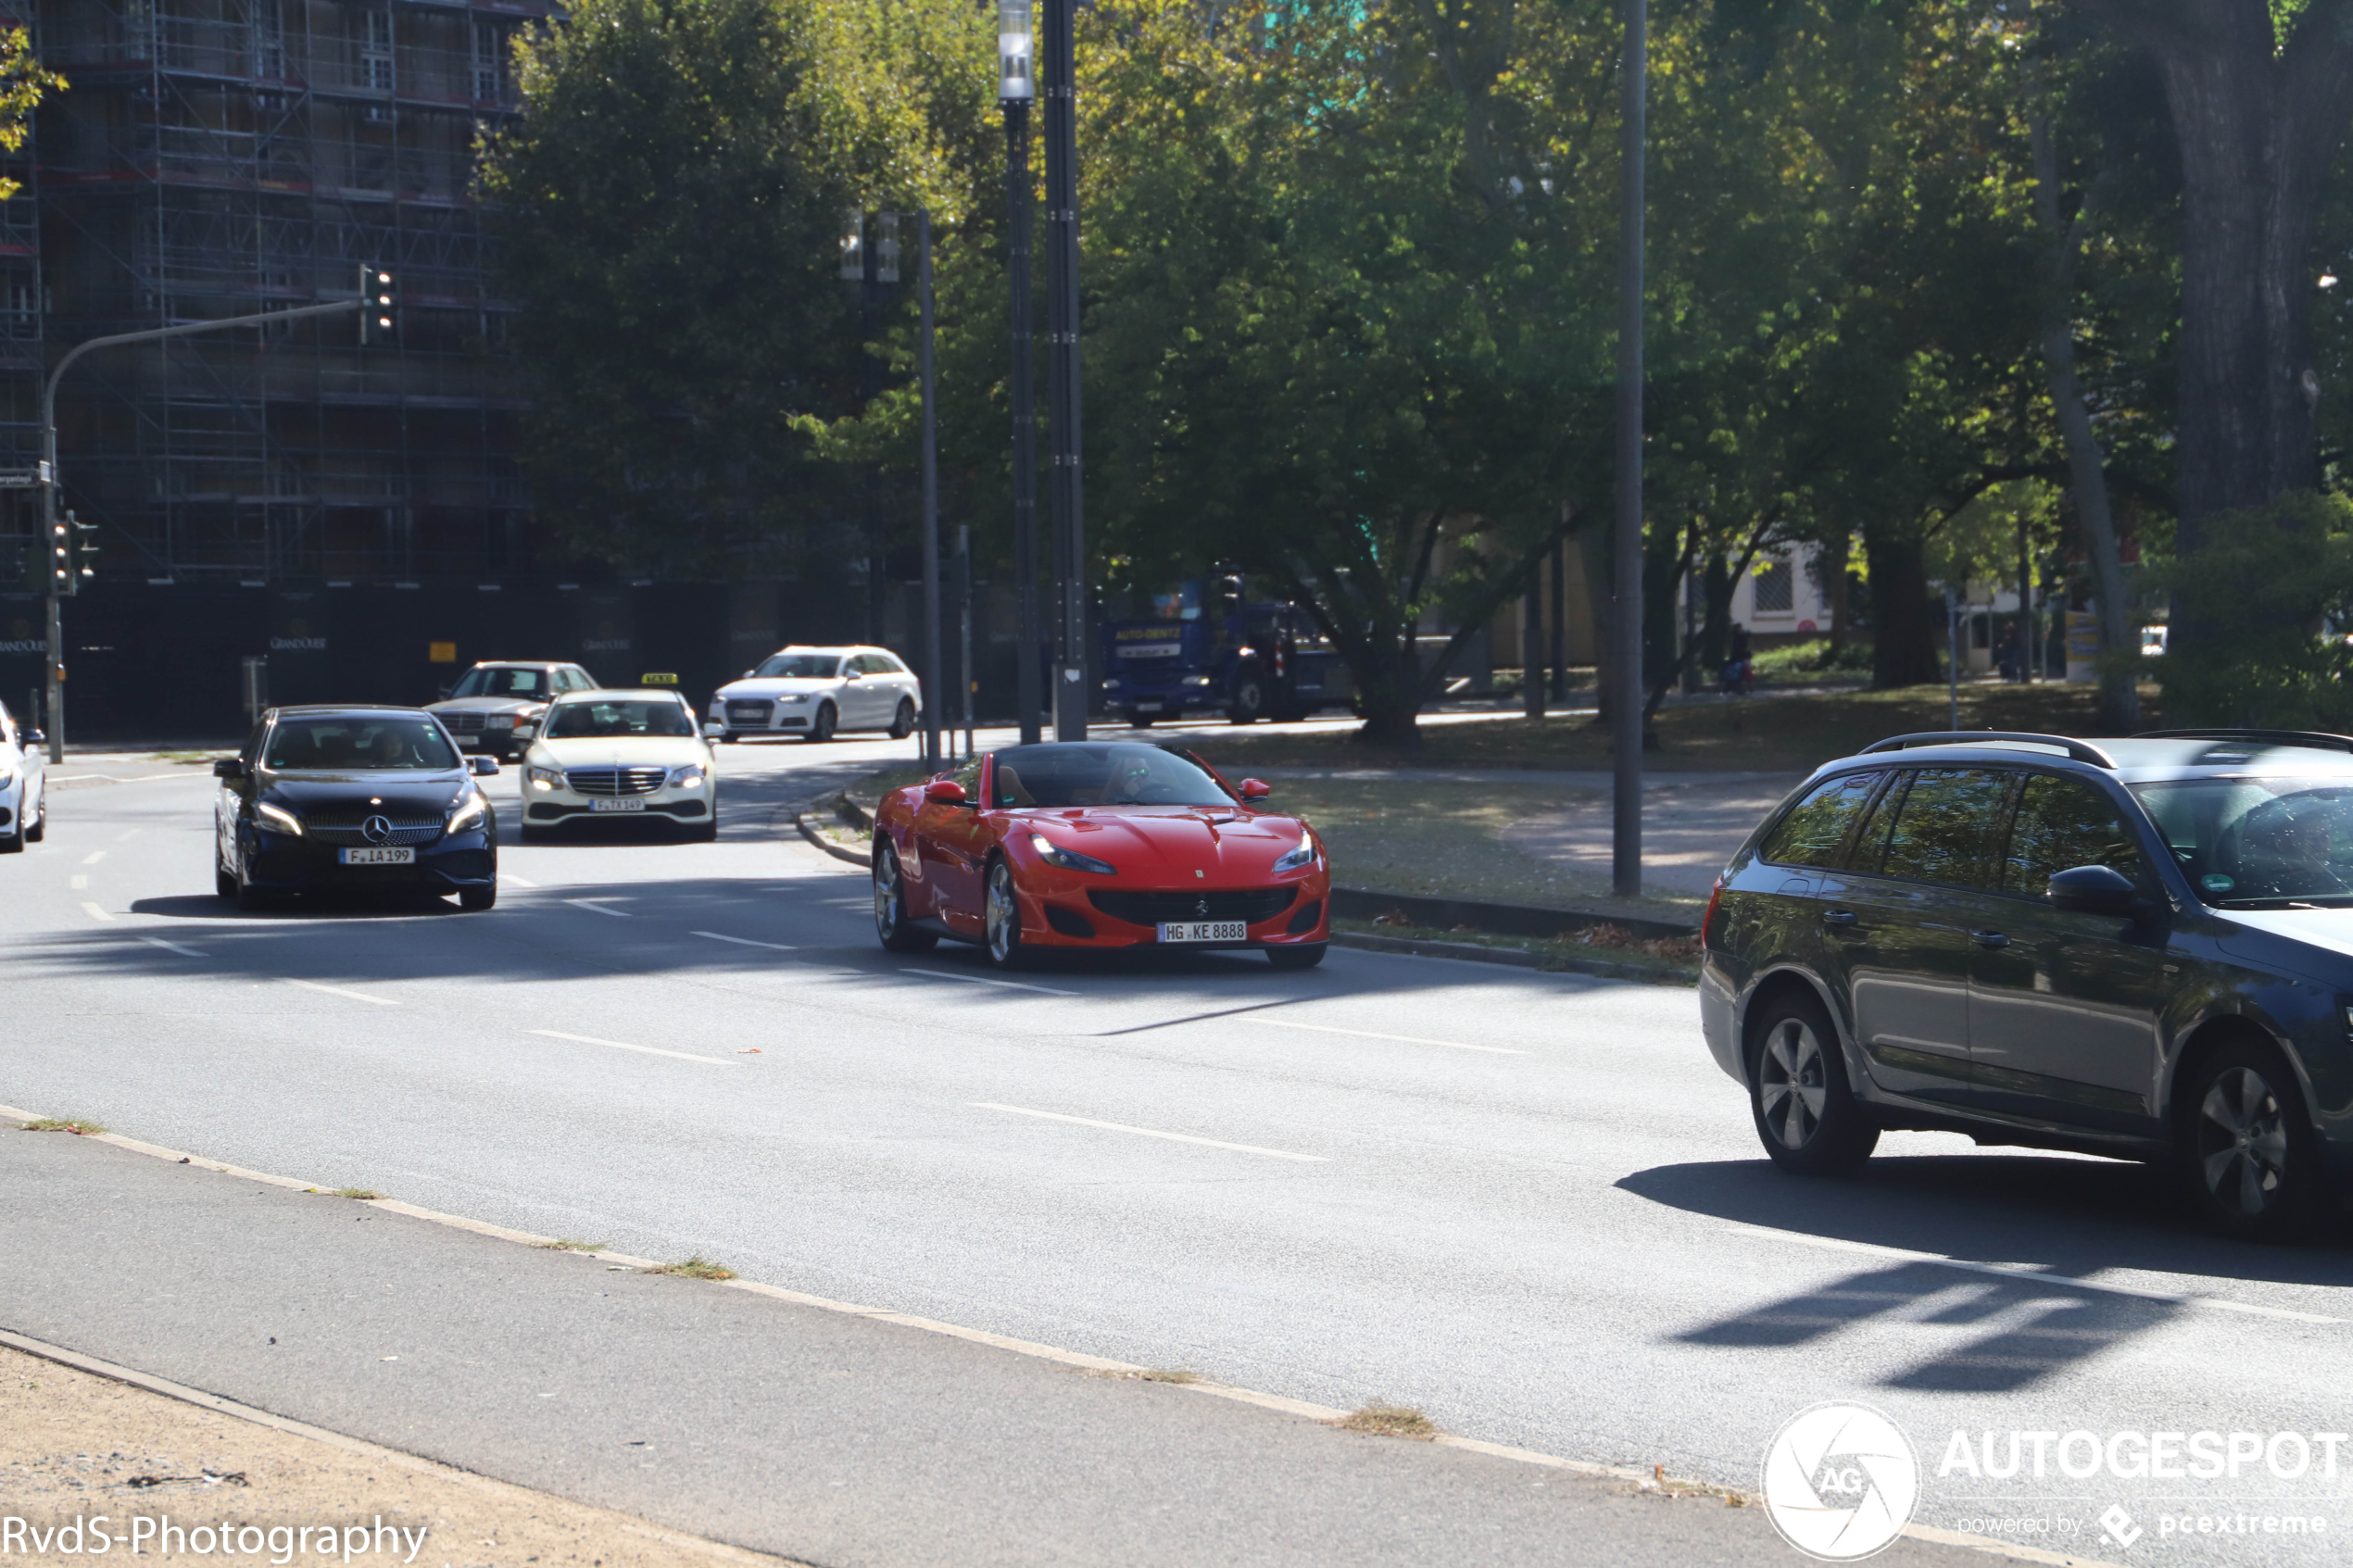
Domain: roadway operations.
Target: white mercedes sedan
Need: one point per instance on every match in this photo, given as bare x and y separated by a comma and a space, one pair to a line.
24, 803
614, 755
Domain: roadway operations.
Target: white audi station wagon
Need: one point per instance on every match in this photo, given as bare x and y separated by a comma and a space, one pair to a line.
816, 692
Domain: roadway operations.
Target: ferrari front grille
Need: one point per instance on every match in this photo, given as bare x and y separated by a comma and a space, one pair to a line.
1251, 905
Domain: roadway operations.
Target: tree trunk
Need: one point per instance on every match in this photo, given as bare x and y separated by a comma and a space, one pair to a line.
2087, 467
1389, 692
2258, 119
1902, 622
1832, 563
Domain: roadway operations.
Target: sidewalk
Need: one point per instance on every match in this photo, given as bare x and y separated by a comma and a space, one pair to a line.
834, 1436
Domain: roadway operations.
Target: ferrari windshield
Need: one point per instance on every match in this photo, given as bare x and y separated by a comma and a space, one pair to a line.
490, 680
800, 666
2259, 841
606, 716
1121, 773
358, 745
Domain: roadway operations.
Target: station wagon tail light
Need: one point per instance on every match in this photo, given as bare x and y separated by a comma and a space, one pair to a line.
1708, 921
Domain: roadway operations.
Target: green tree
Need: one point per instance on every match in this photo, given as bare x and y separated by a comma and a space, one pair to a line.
22, 83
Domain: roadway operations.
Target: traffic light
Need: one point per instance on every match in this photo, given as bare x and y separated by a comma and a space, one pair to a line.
379, 306
60, 559
82, 544
25, 570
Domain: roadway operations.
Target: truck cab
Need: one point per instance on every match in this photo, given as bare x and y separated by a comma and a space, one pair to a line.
1205, 646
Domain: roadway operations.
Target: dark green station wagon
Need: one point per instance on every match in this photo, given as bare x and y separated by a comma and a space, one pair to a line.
2139, 948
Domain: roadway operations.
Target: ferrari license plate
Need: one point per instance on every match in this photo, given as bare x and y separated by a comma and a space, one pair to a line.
378, 857
627, 802
1204, 930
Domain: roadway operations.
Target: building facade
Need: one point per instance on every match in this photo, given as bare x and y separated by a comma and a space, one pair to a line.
220, 158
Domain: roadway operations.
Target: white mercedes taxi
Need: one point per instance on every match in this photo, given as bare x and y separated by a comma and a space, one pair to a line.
614, 755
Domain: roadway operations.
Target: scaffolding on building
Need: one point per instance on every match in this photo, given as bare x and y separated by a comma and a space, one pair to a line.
220, 158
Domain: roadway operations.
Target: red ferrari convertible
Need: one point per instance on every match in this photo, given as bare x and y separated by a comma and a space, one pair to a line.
1084, 845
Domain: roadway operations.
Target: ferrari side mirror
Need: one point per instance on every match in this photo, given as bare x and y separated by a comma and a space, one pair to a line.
1256, 789
944, 792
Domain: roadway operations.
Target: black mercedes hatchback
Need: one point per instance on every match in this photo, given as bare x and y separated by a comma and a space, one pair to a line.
2139, 948
353, 798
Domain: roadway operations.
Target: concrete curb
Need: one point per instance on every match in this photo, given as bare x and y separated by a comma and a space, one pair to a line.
1479, 953
800, 822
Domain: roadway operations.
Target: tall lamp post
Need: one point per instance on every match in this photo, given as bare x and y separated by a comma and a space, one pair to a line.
1625, 835
1017, 88
1062, 364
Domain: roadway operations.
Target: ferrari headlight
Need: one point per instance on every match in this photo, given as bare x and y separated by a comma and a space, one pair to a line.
1069, 859
469, 813
687, 777
277, 819
1300, 858
543, 778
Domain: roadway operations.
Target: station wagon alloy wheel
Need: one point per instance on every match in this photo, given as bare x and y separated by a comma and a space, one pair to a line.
2242, 1154
1790, 1087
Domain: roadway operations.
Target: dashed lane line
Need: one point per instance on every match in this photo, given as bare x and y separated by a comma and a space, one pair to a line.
1368, 1034
171, 947
745, 941
518, 880
1154, 1132
93, 857
977, 980
596, 906
624, 1046
347, 995
93, 912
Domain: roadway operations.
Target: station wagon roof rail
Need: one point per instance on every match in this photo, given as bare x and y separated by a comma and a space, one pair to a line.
2082, 751
2312, 738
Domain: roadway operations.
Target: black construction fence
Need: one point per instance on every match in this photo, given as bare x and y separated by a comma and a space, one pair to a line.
153, 663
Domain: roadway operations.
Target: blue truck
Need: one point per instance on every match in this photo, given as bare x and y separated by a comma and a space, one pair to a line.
1206, 647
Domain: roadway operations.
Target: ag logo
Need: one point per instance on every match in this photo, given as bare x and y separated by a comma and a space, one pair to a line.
1840, 1481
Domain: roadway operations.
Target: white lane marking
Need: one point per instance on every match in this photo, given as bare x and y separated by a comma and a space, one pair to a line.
2029, 1276
977, 980
1151, 1133
124, 837
621, 1046
596, 906
93, 912
171, 947
93, 857
743, 941
347, 995
77, 881
518, 880
1368, 1034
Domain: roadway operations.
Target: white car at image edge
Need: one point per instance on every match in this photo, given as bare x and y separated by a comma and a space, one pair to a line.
815, 693
618, 756
24, 798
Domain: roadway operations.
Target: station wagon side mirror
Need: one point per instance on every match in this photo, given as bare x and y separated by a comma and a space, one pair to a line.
944, 792
229, 768
1256, 789
2094, 890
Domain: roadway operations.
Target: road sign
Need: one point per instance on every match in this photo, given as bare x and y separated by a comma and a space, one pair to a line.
20, 479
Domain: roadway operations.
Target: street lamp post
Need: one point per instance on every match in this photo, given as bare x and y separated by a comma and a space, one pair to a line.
1017, 88
1625, 836
1062, 364
934, 696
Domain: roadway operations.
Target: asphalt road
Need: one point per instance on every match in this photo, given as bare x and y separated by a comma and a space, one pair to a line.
1526, 1204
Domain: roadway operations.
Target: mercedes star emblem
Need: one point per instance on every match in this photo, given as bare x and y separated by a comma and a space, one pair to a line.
377, 829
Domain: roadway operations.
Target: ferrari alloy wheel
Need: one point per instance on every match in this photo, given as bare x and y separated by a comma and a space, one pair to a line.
1000, 917
1805, 1111
820, 728
890, 905
903, 725
2251, 1162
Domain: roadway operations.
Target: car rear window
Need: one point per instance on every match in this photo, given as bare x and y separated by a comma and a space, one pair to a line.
1816, 826
1944, 824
